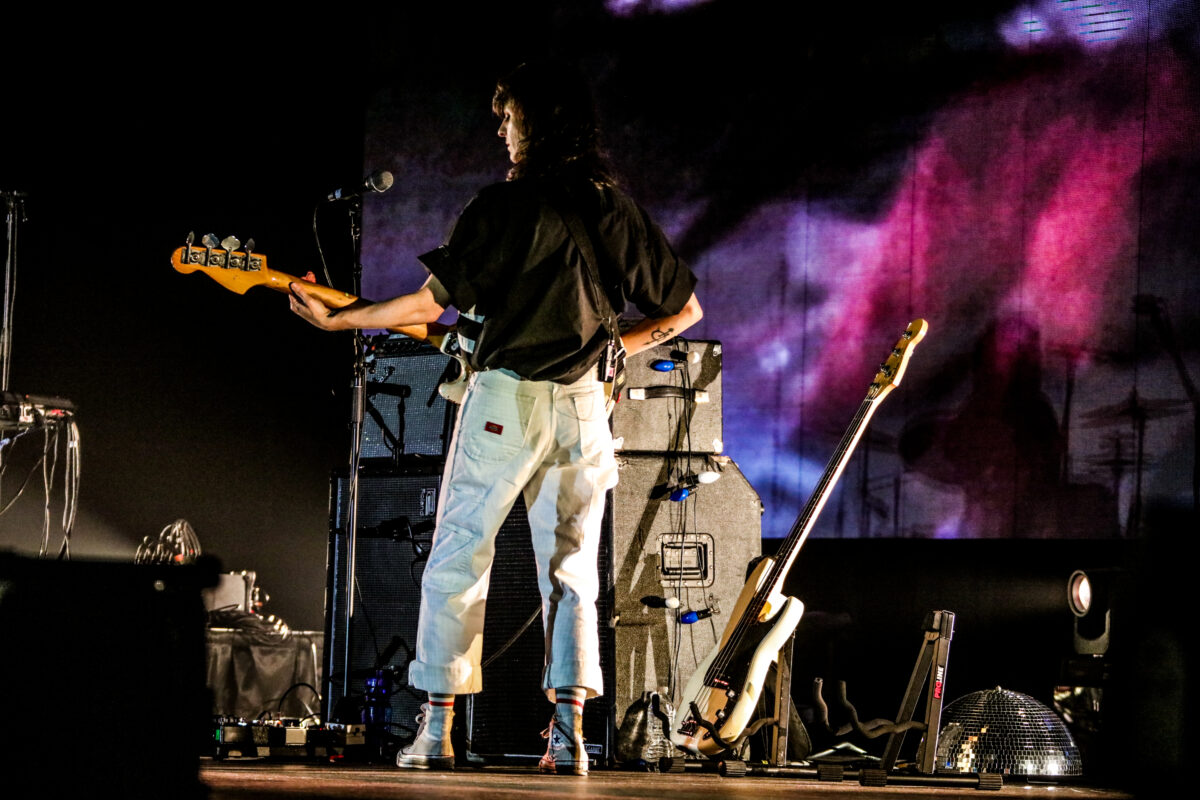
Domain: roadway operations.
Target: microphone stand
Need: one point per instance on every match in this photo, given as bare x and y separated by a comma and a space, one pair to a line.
14, 202
358, 405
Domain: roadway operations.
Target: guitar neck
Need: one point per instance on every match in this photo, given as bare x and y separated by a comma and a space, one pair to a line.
886, 380
786, 554
240, 271
772, 582
888, 377
281, 282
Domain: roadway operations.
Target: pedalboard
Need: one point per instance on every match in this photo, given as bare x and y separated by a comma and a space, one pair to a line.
287, 739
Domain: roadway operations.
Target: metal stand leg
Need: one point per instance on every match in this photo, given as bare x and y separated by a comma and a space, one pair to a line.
777, 757
783, 703
931, 664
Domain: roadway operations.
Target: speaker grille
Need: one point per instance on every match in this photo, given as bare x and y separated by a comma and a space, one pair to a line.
505, 720
389, 565
405, 415
508, 716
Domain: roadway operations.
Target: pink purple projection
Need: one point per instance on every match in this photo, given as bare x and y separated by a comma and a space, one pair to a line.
1032, 210
1018, 220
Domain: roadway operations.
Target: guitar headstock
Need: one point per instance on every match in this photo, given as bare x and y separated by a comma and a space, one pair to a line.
892, 371
221, 260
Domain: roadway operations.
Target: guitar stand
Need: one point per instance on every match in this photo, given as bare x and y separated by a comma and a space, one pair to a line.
930, 671
727, 764
931, 664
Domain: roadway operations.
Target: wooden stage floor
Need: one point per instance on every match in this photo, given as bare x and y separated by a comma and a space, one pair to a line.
239, 779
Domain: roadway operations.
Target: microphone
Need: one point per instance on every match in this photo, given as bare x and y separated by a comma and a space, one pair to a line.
378, 181
676, 357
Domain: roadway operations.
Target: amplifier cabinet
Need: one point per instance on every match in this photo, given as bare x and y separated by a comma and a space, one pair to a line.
676, 410
405, 415
695, 551
506, 719
503, 723
679, 410
396, 509
652, 549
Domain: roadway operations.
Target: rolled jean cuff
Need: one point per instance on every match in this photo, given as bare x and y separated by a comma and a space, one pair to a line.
458, 677
573, 673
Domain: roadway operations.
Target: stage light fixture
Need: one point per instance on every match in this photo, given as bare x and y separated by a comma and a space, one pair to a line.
1079, 593
1090, 596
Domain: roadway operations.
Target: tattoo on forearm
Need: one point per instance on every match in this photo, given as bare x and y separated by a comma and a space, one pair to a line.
658, 334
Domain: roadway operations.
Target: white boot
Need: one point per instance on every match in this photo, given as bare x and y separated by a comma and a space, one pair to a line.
565, 753
431, 749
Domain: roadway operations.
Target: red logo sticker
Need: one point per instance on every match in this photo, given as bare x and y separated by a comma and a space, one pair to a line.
493, 427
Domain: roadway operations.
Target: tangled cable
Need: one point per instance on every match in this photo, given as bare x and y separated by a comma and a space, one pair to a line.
177, 543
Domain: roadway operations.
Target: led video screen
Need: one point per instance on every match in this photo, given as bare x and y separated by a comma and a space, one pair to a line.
1023, 176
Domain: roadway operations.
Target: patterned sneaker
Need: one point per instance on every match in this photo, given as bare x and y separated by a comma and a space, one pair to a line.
428, 750
565, 754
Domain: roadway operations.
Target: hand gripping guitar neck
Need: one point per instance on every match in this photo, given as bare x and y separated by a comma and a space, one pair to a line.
240, 270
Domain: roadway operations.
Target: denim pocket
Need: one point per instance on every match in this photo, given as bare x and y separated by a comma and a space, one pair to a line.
494, 424
588, 407
451, 565
593, 439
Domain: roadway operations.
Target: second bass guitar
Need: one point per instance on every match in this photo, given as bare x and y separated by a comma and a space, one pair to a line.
724, 690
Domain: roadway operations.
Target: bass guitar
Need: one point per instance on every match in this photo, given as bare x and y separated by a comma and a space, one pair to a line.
241, 270
724, 690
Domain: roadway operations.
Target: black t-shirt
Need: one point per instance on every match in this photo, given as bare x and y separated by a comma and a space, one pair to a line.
512, 261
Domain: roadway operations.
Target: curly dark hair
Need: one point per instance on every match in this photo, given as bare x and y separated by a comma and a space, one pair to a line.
558, 118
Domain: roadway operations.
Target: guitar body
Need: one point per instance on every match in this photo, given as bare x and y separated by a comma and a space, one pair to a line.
730, 701
455, 390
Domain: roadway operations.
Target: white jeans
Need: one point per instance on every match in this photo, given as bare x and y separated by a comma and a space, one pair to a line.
551, 442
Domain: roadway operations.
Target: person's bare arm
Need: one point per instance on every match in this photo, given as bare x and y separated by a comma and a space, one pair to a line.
649, 332
422, 306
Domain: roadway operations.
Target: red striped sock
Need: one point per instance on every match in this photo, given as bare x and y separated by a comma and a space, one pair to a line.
441, 700
570, 699
439, 716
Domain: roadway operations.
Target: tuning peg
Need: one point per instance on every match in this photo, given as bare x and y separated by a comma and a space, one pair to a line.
191, 237
247, 262
230, 243
210, 240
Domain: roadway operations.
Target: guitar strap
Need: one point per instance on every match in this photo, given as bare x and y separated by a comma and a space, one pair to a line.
610, 366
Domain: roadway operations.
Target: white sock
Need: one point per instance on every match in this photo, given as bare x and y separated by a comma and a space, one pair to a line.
439, 717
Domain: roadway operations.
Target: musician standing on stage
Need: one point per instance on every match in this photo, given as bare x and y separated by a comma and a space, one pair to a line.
535, 329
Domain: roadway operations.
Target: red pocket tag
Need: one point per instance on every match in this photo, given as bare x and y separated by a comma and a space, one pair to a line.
493, 427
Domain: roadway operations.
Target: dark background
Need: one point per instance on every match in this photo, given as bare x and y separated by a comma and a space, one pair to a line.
227, 411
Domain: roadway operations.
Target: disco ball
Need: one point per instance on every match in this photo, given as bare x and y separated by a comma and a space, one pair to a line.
1008, 733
